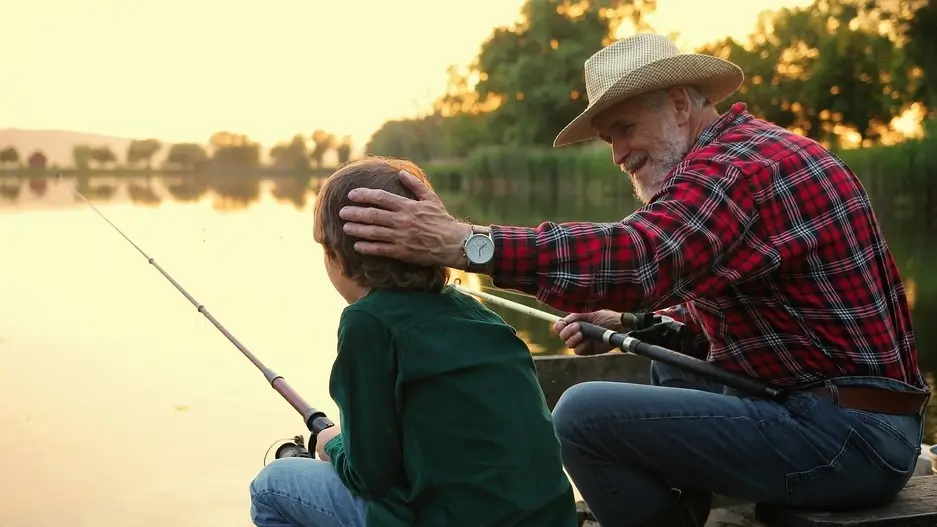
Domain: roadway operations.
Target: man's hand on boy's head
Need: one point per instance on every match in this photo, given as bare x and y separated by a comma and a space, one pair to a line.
324, 437
417, 231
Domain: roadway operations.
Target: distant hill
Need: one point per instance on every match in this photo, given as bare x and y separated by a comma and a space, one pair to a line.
57, 144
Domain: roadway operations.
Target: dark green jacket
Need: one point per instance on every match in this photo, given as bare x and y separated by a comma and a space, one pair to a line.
443, 420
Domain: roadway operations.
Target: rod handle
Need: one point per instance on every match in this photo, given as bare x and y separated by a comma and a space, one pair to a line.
700, 367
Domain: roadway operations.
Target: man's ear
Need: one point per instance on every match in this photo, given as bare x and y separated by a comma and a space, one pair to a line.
680, 98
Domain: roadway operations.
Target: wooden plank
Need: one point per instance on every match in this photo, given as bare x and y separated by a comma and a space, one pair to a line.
558, 372
915, 506
721, 516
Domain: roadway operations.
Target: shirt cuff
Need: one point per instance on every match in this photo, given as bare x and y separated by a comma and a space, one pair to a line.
335, 447
514, 265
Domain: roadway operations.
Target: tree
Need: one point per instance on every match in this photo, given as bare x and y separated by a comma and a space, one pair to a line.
9, 156
823, 69
234, 150
920, 33
293, 155
142, 151
37, 161
82, 156
186, 156
532, 72
525, 84
103, 156
322, 143
344, 150
834, 68
417, 139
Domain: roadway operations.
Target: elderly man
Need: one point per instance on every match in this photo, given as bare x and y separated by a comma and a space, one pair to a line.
763, 243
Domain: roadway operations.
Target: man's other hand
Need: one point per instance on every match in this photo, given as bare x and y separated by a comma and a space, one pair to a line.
568, 330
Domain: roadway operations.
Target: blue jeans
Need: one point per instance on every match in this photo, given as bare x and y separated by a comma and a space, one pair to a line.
303, 492
626, 445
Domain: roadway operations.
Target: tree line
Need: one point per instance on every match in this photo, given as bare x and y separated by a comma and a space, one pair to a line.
835, 66
835, 71
226, 150
10, 158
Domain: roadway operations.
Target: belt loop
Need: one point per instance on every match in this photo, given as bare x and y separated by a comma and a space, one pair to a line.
834, 393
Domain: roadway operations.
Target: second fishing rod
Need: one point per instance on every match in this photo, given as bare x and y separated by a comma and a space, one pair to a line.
628, 344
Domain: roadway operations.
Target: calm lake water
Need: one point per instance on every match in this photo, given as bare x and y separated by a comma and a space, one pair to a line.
123, 406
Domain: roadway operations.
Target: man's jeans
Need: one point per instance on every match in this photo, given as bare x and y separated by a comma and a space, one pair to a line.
303, 492
626, 445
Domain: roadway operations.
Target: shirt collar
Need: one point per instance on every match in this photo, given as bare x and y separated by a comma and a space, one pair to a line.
735, 116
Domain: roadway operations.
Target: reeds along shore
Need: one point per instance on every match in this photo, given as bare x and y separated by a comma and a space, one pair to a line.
549, 173
588, 170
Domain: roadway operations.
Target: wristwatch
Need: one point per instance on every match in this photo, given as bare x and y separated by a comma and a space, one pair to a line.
479, 249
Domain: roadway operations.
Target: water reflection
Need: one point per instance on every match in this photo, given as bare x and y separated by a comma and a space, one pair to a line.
132, 410
99, 352
38, 187
143, 193
10, 190
226, 193
102, 189
186, 189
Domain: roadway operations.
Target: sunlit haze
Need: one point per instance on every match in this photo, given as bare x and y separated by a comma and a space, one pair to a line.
122, 406
181, 70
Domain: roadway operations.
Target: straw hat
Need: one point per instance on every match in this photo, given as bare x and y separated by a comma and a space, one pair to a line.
642, 63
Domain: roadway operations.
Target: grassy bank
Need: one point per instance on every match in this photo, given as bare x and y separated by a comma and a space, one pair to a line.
547, 173
589, 170
583, 170
902, 168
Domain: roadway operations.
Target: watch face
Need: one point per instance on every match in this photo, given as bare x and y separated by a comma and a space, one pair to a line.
479, 249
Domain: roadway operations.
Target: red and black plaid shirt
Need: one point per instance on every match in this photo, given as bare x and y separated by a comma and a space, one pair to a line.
762, 237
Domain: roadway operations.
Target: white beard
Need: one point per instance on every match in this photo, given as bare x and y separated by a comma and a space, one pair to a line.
660, 162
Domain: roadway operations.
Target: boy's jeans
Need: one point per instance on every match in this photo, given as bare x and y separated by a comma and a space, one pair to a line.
625, 445
303, 492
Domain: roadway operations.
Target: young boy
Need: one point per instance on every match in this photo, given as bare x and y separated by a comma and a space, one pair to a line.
443, 423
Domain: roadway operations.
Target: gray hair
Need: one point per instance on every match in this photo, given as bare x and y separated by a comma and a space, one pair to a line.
655, 100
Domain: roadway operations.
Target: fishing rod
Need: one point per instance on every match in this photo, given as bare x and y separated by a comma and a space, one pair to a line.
628, 320
315, 420
629, 344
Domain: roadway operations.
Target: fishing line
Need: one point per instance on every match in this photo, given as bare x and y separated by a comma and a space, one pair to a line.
315, 420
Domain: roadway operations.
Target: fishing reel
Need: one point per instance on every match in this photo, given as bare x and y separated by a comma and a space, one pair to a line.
294, 447
656, 329
642, 321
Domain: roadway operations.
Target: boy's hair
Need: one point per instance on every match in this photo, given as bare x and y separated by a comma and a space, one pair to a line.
370, 271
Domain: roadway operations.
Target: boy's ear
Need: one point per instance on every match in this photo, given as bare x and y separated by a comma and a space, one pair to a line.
336, 262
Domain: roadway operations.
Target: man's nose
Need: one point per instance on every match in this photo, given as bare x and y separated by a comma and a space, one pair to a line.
619, 152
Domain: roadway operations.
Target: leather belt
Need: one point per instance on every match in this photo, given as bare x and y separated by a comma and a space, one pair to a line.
875, 400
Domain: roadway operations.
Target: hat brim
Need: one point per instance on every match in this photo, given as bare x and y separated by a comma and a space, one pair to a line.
714, 77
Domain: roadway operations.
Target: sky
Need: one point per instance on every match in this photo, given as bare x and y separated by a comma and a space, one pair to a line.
179, 70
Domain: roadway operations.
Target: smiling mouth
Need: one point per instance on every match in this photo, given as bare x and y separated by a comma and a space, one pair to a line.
634, 163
